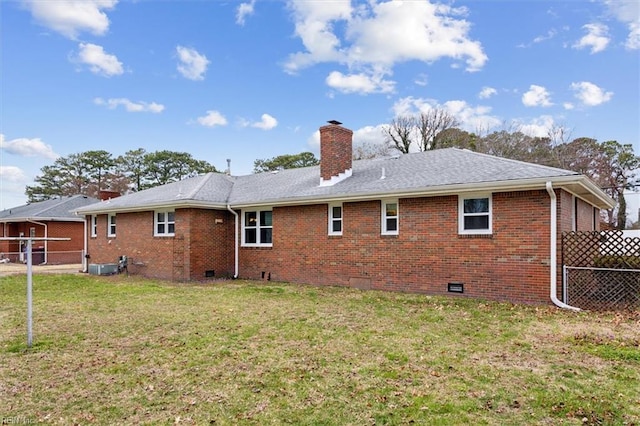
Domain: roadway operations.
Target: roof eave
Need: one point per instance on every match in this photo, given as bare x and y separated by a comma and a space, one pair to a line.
577, 184
40, 219
104, 209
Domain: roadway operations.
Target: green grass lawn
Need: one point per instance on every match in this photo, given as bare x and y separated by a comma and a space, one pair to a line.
122, 350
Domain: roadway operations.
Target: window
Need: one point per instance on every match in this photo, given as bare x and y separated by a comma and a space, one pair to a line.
164, 224
94, 225
257, 228
335, 219
111, 225
474, 214
390, 218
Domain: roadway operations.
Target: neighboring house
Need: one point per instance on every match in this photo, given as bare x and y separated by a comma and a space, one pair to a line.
435, 222
52, 218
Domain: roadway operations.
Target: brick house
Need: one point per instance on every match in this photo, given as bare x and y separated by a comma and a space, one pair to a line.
51, 218
437, 222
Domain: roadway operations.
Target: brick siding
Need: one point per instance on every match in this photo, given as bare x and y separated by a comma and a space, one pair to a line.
200, 245
512, 264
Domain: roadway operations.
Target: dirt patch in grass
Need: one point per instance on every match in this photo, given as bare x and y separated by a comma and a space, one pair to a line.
130, 351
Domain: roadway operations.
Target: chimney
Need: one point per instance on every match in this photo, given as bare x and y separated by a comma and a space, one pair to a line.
105, 195
336, 153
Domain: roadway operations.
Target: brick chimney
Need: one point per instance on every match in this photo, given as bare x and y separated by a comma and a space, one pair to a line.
105, 195
336, 153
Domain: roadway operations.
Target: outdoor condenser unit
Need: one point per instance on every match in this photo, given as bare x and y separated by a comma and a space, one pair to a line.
103, 268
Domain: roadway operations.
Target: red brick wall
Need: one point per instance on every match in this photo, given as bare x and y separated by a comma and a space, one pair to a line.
58, 252
585, 217
200, 244
512, 264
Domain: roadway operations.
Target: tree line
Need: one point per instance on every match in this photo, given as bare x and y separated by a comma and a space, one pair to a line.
90, 172
611, 165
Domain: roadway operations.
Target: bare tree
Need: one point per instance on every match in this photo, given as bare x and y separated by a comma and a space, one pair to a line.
369, 150
431, 123
559, 136
398, 133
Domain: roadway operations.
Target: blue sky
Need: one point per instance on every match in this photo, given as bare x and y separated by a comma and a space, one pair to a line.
253, 80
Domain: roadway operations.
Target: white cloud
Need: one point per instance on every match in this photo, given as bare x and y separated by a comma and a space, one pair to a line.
267, 123
597, 38
12, 174
421, 80
539, 39
550, 34
590, 94
568, 105
25, 147
71, 17
359, 83
375, 36
373, 135
471, 118
130, 106
627, 12
98, 60
536, 96
192, 65
537, 127
244, 10
212, 119
487, 92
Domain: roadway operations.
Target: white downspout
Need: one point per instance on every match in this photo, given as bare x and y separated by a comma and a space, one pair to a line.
85, 267
553, 256
46, 235
235, 243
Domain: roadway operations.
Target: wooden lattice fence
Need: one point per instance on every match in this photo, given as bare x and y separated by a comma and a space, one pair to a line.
601, 270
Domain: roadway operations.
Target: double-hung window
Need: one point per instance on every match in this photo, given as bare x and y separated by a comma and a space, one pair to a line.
164, 223
390, 217
257, 228
94, 225
111, 225
474, 214
335, 219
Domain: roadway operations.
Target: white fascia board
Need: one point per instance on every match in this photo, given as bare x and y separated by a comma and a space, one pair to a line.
40, 219
153, 206
504, 186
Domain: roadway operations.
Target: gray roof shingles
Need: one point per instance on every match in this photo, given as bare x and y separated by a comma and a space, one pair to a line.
57, 208
403, 173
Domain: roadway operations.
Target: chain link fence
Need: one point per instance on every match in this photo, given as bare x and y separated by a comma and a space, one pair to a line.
39, 257
601, 270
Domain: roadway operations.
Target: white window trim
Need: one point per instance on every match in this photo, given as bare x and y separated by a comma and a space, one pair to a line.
109, 233
461, 215
383, 216
259, 244
94, 226
333, 219
166, 223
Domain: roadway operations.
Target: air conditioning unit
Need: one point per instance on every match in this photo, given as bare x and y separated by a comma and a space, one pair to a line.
103, 268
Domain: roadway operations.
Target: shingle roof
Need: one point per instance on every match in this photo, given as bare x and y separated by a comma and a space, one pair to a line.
56, 209
403, 173
424, 172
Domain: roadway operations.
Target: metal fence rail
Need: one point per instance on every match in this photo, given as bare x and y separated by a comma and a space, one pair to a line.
39, 257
